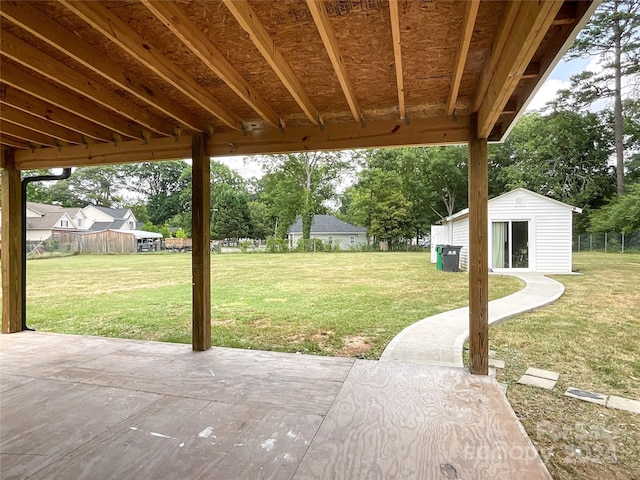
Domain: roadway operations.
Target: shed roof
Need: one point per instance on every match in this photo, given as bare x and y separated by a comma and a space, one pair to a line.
326, 224
515, 191
99, 82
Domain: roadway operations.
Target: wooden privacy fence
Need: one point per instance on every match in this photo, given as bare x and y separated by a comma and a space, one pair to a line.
105, 242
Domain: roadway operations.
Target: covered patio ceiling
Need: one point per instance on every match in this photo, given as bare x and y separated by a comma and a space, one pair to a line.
87, 83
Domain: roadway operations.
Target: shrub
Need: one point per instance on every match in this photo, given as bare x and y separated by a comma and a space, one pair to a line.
277, 245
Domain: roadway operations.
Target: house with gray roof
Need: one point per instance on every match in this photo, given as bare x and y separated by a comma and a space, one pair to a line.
105, 218
44, 220
331, 230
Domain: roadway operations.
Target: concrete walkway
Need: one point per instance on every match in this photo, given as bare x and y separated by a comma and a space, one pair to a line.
439, 340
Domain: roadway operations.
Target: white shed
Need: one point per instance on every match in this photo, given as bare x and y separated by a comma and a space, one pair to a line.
527, 231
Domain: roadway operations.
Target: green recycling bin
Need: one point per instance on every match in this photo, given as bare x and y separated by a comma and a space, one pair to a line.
439, 252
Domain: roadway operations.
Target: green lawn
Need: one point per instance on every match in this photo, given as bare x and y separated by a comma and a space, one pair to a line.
352, 304
591, 336
349, 304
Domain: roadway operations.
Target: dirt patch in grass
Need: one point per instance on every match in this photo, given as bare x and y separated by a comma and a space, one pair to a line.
355, 346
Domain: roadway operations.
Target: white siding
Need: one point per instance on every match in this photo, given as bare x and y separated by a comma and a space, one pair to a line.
550, 229
342, 239
460, 237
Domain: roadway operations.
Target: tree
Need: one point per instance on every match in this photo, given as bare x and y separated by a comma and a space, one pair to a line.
162, 184
298, 184
621, 215
230, 216
377, 201
563, 155
613, 35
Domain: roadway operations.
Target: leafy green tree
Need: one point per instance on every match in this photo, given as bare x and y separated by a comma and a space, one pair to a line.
259, 224
162, 184
613, 35
621, 215
299, 183
230, 217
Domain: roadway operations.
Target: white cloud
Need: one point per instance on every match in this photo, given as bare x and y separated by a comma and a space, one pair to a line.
547, 92
242, 165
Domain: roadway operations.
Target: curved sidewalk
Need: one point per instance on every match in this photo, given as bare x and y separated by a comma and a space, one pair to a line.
439, 340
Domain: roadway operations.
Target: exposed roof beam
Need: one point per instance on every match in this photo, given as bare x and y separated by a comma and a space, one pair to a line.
32, 58
104, 21
51, 32
25, 134
9, 141
322, 21
499, 41
188, 33
38, 108
468, 22
248, 20
18, 117
567, 15
65, 100
397, 55
531, 25
433, 131
532, 70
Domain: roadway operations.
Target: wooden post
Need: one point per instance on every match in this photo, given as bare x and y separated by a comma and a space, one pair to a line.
11, 245
478, 252
201, 254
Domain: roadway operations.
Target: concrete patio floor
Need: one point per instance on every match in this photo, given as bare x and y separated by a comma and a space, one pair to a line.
97, 408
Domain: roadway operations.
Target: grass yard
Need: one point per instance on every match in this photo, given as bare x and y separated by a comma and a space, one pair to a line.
353, 304
591, 336
349, 304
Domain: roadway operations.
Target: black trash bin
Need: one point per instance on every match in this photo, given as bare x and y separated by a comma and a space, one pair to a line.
451, 258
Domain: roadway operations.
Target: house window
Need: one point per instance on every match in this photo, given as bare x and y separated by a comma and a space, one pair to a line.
64, 223
79, 222
330, 239
352, 239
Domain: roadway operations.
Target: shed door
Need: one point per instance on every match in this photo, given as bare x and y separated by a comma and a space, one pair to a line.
510, 244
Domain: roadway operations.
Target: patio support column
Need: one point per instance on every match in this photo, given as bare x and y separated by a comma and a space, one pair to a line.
478, 252
11, 245
201, 254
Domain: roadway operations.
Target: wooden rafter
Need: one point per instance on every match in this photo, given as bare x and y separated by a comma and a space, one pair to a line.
322, 21
25, 134
434, 131
468, 22
499, 41
104, 21
51, 32
11, 142
397, 55
248, 20
172, 16
531, 24
18, 117
55, 115
65, 100
32, 58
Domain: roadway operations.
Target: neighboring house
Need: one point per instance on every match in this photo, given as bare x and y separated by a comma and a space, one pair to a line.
45, 220
104, 218
79, 218
527, 232
331, 230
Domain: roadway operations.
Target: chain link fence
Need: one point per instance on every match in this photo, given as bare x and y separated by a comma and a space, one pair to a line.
607, 242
